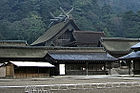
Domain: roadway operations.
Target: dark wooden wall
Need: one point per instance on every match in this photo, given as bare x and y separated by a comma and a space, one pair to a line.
64, 39
136, 66
31, 72
81, 69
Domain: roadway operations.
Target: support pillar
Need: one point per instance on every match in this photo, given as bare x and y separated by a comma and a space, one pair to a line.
132, 67
109, 68
87, 68
129, 67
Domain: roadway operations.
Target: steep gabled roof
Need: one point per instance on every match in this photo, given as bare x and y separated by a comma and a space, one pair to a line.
118, 45
52, 31
88, 37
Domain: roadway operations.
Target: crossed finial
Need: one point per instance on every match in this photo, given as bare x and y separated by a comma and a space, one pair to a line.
62, 17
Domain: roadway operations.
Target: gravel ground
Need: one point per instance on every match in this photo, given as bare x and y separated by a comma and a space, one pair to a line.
18, 85
67, 80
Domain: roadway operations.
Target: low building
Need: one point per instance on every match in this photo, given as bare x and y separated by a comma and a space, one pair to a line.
93, 59
25, 69
26, 54
81, 61
133, 59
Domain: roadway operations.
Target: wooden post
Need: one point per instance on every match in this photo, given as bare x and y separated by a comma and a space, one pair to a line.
13, 71
105, 68
129, 67
38, 72
132, 67
109, 71
109, 68
87, 68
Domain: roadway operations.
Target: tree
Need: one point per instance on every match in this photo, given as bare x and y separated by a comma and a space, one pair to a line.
131, 24
29, 28
106, 32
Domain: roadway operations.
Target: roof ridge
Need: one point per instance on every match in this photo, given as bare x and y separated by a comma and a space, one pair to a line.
13, 41
119, 38
88, 31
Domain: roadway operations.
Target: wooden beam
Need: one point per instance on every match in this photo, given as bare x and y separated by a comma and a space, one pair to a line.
86, 68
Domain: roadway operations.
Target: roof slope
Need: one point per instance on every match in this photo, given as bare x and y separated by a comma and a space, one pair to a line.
137, 46
132, 55
118, 44
88, 37
82, 56
77, 50
31, 64
52, 31
94, 54
22, 52
35, 52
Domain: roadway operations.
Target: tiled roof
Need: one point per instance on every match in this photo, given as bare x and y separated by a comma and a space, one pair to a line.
137, 46
93, 54
82, 56
132, 55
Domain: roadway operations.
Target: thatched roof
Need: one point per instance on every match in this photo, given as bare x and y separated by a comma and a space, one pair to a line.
120, 46
87, 38
36, 52
22, 52
54, 30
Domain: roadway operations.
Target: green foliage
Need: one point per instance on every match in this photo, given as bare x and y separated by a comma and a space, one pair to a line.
106, 32
28, 19
131, 23
29, 28
121, 5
